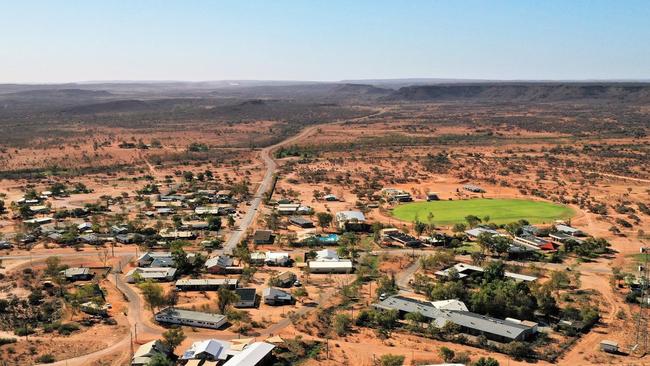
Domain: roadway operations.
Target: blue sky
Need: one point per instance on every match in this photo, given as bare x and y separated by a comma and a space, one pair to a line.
57, 41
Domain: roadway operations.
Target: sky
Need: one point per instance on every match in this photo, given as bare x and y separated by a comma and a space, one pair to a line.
326, 40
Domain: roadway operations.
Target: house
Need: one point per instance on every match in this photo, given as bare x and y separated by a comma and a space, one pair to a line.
94, 309
195, 225
330, 198
609, 346
92, 239
440, 313
206, 210
247, 298
286, 279
340, 266
277, 259
473, 188
152, 273
351, 221
565, 229
209, 350
432, 196
397, 237
328, 261
144, 353
274, 296
129, 238
256, 354
222, 264
288, 208
475, 232
464, 270
561, 238
116, 230
263, 237
147, 258
77, 274
169, 234
85, 226
39, 221
301, 222
190, 318
206, 284
258, 258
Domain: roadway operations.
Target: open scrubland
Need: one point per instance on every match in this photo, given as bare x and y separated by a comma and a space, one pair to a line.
203, 171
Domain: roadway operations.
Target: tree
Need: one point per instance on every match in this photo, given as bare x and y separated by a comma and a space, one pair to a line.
153, 295
489, 361
392, 360
225, 298
2, 206
472, 220
459, 228
53, 266
324, 219
160, 359
420, 227
173, 337
342, 323
447, 354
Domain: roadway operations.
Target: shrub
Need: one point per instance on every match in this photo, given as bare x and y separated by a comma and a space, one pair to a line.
46, 358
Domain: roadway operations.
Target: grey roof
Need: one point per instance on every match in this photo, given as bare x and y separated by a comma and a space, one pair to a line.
350, 215
219, 261
465, 319
191, 315
246, 294
76, 271
299, 220
274, 293
264, 235
207, 282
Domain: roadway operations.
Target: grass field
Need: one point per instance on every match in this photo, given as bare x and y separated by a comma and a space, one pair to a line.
501, 211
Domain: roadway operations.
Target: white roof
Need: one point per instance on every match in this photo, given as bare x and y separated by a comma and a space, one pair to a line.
346, 263
480, 230
350, 215
251, 355
276, 255
214, 347
450, 305
327, 255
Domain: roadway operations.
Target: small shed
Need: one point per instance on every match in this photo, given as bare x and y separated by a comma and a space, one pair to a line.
609, 346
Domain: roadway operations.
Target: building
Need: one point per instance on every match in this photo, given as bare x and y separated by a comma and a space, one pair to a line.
470, 323
432, 196
328, 261
286, 279
396, 195
396, 237
566, 229
144, 353
330, 198
534, 242
561, 238
464, 270
207, 284
94, 309
288, 208
209, 350
77, 274
274, 296
152, 273
263, 237
277, 259
609, 346
247, 298
258, 258
190, 318
195, 225
129, 238
473, 188
475, 232
256, 354
222, 264
351, 221
207, 210
301, 222
5, 245
147, 258
168, 234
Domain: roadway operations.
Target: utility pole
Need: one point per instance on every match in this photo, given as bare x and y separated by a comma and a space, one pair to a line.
641, 338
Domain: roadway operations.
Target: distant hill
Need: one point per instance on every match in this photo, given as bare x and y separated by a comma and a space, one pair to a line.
360, 89
525, 92
59, 93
